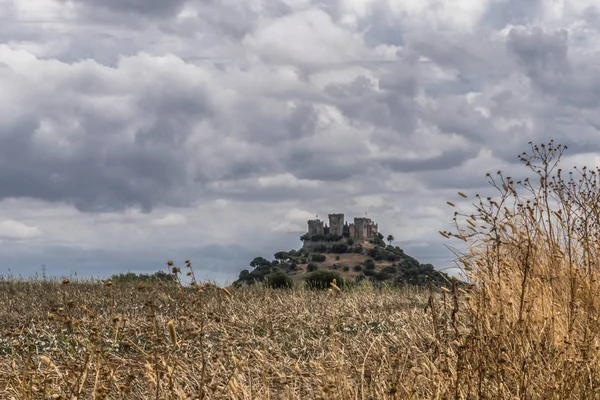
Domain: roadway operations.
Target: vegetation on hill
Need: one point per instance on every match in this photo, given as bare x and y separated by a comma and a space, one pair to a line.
378, 263
130, 277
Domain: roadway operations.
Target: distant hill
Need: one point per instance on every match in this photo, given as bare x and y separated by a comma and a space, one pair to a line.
343, 259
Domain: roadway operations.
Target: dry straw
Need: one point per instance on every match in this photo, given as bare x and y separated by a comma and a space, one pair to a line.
523, 326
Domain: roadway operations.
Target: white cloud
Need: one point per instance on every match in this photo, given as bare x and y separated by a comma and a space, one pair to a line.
171, 219
10, 229
308, 38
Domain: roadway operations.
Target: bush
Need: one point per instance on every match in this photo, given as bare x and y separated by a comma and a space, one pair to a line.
339, 248
278, 280
337, 258
159, 276
318, 257
346, 268
381, 276
321, 279
357, 268
312, 267
320, 249
390, 270
370, 264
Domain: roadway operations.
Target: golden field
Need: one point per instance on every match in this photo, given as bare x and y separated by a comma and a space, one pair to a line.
527, 326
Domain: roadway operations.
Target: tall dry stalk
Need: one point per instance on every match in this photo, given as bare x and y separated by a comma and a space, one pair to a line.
534, 261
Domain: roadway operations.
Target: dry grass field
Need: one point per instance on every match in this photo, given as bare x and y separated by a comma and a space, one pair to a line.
527, 327
94, 341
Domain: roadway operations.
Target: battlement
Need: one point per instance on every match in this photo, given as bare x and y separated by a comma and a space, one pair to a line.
362, 229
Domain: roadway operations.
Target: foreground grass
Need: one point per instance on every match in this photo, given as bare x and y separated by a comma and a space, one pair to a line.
97, 341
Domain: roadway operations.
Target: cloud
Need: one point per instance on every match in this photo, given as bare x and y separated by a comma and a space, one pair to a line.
10, 229
135, 125
153, 8
170, 219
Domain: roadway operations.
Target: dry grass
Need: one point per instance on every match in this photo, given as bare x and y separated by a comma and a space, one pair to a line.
93, 341
528, 328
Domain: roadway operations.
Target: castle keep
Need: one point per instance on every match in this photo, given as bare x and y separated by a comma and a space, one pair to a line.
362, 229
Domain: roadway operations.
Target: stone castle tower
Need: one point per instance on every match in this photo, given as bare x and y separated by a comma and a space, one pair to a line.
362, 229
336, 224
315, 227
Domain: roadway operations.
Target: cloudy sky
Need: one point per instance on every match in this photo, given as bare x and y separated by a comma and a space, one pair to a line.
137, 131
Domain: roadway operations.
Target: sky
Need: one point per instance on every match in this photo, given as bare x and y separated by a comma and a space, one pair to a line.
133, 132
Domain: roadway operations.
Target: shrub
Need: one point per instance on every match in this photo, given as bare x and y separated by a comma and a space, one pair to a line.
390, 270
312, 267
159, 276
370, 264
337, 258
318, 257
381, 276
357, 268
339, 248
346, 268
278, 280
320, 249
321, 279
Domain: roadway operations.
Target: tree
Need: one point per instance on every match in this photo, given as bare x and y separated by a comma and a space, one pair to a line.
339, 248
259, 262
390, 239
282, 255
318, 257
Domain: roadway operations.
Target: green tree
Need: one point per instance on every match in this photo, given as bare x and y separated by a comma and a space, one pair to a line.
282, 255
318, 257
390, 239
259, 262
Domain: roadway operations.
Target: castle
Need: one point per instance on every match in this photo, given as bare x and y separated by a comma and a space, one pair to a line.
361, 230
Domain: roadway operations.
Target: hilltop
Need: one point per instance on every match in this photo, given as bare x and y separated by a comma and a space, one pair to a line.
346, 252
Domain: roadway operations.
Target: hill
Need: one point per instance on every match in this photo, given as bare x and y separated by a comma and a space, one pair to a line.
344, 260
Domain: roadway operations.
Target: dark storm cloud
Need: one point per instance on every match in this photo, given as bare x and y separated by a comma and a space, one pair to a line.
154, 8
544, 56
392, 106
259, 133
446, 160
